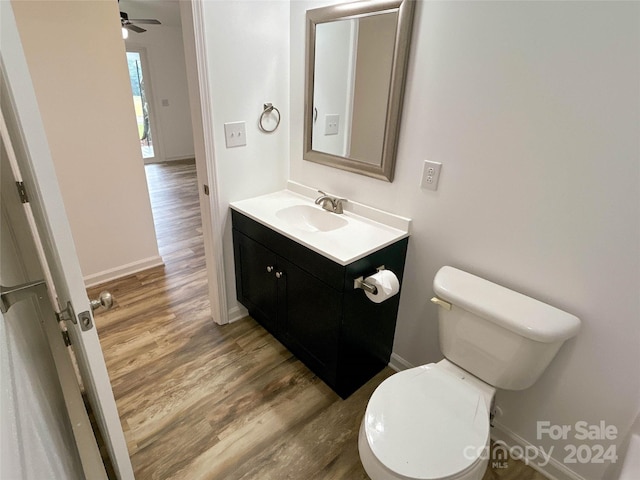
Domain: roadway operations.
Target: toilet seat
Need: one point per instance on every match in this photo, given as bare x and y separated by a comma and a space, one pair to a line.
427, 423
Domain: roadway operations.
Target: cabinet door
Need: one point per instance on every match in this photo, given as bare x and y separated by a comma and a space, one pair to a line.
257, 287
310, 312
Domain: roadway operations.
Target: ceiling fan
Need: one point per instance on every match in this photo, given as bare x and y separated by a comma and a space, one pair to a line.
129, 23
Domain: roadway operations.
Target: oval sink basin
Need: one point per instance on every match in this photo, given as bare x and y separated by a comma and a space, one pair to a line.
311, 219
340, 238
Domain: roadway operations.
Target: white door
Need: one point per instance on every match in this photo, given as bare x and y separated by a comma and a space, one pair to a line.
46, 432
36, 166
37, 411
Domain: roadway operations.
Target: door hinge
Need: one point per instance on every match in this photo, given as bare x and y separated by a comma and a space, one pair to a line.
22, 191
66, 338
67, 314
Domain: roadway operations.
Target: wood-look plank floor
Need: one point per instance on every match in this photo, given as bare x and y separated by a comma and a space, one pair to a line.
202, 401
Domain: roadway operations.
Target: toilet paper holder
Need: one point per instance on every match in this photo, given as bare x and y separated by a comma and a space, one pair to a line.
367, 287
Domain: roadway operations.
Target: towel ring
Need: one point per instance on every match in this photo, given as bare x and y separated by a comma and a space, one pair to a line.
268, 108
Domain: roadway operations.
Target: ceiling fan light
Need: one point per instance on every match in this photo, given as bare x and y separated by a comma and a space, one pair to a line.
125, 33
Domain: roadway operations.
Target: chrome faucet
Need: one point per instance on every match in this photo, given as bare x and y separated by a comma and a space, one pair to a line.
330, 204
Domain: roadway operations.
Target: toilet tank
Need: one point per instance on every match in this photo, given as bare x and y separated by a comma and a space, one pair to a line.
502, 337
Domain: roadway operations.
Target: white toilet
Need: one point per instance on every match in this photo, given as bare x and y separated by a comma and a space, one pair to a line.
432, 422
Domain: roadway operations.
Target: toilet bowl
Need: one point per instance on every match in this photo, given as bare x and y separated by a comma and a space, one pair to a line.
428, 422
432, 422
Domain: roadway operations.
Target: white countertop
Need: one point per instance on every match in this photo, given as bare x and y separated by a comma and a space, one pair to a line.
358, 236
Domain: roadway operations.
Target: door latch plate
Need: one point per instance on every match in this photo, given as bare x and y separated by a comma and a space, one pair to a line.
85, 321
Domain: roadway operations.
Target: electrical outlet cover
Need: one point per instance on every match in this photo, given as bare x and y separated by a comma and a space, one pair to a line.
332, 124
430, 175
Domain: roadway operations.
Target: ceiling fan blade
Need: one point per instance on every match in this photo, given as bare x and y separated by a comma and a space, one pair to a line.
133, 28
148, 21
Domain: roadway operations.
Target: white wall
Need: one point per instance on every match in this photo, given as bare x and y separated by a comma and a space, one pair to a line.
165, 54
533, 109
77, 62
376, 41
247, 44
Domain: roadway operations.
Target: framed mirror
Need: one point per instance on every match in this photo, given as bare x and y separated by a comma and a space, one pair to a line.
356, 64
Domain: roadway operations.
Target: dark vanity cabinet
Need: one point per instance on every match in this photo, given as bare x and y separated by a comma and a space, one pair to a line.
308, 302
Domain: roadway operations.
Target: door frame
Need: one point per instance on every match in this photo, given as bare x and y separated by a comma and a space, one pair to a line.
193, 27
158, 148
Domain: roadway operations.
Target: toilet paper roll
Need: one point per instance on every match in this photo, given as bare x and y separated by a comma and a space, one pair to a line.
386, 283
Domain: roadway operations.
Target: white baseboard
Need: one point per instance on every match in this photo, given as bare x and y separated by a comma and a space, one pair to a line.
554, 470
152, 160
398, 363
181, 158
237, 313
184, 159
122, 271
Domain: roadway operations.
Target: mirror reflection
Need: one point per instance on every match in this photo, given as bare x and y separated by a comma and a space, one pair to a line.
355, 69
352, 77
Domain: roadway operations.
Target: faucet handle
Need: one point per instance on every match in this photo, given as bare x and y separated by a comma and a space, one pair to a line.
322, 198
337, 204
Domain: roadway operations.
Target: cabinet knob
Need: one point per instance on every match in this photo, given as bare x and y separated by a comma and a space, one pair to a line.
269, 268
279, 274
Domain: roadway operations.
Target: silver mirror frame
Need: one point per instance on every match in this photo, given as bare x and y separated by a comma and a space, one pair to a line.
344, 11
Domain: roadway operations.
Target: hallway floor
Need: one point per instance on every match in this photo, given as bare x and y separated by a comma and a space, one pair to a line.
198, 400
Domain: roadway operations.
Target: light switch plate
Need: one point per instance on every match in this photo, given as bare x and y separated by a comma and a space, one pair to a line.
430, 175
332, 124
235, 134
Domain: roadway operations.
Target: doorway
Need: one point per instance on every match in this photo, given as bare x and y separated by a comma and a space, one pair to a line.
176, 87
143, 103
155, 53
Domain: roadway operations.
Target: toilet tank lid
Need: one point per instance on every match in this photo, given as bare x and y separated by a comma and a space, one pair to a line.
512, 310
